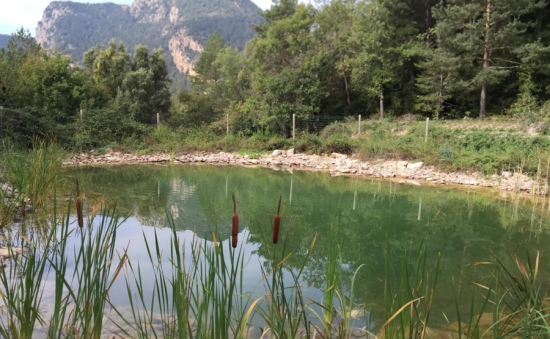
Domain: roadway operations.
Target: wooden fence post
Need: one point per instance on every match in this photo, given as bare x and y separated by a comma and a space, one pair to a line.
359, 126
158, 120
293, 127
427, 124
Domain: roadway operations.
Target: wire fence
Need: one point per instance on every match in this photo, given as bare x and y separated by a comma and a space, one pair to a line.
316, 123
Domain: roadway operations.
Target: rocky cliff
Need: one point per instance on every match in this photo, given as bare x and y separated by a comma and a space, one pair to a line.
180, 27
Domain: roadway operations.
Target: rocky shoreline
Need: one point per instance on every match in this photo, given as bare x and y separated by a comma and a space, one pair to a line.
336, 164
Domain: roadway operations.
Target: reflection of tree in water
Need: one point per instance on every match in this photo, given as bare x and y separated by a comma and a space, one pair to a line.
462, 226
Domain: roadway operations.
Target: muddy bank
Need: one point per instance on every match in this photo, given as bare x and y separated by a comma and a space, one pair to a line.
337, 164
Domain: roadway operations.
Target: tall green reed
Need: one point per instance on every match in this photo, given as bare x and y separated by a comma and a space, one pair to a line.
408, 295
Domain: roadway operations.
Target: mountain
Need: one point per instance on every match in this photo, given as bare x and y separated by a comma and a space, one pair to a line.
180, 27
4, 39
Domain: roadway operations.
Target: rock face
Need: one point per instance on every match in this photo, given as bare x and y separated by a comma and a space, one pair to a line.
180, 27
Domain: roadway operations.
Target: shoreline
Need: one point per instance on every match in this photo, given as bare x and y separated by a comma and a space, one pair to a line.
414, 173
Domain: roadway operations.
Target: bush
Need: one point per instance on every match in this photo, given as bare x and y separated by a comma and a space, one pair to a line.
336, 128
310, 144
339, 143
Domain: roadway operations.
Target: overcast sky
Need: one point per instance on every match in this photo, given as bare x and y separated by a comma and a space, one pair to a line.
15, 14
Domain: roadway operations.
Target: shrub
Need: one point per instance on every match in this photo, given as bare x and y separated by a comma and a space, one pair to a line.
340, 144
336, 128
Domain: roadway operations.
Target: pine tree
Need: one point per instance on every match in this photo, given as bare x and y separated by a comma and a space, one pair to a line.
483, 34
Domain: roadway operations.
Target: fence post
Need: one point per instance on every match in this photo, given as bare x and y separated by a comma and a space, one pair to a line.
293, 127
359, 126
158, 120
427, 124
227, 123
81, 115
419, 208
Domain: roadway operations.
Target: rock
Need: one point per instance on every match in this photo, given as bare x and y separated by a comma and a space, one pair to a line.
415, 166
276, 153
506, 174
338, 155
290, 152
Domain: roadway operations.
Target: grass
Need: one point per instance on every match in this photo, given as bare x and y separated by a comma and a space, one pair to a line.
31, 175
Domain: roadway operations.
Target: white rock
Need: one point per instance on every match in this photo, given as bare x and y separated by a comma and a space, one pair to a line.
506, 174
290, 152
276, 152
415, 165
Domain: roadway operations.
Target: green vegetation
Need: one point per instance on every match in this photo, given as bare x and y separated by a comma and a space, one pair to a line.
340, 59
84, 264
196, 288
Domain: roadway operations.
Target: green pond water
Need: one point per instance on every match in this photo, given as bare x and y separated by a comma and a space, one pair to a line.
369, 216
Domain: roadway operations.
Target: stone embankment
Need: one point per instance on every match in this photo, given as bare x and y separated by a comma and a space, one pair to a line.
337, 164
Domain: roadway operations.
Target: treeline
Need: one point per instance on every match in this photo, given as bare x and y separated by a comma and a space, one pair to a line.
112, 97
441, 59
378, 58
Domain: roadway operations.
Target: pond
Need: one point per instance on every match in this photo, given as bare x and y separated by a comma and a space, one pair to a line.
369, 217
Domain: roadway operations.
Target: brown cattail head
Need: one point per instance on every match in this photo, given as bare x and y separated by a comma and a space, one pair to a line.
79, 211
235, 225
277, 223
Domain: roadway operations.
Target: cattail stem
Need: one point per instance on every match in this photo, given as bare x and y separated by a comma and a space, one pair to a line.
235, 225
277, 223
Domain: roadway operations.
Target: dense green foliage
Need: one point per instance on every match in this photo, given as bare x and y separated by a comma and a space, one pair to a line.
113, 97
340, 58
385, 57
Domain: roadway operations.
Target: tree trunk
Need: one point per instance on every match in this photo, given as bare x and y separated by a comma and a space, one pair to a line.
381, 103
345, 80
483, 97
439, 95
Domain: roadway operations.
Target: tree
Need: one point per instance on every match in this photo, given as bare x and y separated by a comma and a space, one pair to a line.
205, 69
484, 35
108, 66
145, 89
283, 79
387, 45
438, 78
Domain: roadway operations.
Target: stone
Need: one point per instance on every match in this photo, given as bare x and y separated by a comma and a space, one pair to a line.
415, 166
290, 152
506, 174
276, 153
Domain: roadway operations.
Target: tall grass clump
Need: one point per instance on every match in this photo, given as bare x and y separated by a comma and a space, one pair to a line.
32, 173
80, 300
198, 292
515, 300
408, 295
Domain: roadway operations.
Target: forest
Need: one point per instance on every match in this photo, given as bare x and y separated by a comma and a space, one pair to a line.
342, 58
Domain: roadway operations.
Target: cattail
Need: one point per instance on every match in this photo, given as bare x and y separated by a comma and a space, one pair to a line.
235, 225
277, 223
79, 211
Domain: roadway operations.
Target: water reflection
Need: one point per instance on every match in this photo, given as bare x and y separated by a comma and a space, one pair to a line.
369, 216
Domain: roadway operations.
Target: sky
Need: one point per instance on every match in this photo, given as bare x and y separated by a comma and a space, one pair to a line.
27, 13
